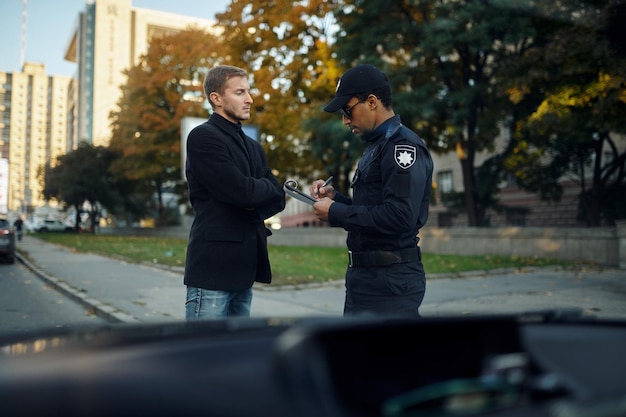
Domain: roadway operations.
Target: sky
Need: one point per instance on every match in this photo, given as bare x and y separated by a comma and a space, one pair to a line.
50, 23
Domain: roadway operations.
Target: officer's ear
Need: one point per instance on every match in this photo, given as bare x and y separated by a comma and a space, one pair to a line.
372, 101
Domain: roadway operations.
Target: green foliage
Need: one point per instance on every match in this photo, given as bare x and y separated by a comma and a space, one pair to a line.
570, 90
82, 176
336, 148
443, 59
547, 72
544, 74
285, 47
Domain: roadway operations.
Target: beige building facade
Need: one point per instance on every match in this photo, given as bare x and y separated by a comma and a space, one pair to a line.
34, 122
110, 36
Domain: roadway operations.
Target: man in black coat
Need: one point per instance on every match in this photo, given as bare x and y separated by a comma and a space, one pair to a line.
232, 191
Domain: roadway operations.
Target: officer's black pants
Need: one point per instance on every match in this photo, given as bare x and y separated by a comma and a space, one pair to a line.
396, 289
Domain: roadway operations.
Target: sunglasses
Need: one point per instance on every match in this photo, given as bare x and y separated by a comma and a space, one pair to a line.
347, 111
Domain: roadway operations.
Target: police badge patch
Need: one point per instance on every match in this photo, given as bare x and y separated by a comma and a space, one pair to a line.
405, 155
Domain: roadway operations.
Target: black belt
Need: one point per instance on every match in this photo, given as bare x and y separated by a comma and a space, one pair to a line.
383, 258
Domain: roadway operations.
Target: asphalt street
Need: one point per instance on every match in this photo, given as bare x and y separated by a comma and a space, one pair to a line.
126, 292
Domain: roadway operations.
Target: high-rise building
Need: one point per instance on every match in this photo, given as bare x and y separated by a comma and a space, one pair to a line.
34, 122
110, 36
43, 117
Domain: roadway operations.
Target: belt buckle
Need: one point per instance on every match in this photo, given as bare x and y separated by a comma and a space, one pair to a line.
350, 259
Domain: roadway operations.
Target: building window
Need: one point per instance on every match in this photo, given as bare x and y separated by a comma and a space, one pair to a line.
511, 181
444, 181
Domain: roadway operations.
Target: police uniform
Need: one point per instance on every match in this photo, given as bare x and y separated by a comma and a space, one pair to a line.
391, 190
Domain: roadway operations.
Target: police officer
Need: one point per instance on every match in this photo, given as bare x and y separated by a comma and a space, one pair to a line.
391, 189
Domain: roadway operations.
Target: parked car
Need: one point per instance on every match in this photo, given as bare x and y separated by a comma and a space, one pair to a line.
7, 241
52, 226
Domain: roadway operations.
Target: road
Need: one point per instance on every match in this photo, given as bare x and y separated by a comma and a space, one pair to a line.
596, 292
27, 304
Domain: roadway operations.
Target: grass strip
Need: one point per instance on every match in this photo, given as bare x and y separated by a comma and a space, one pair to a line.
291, 265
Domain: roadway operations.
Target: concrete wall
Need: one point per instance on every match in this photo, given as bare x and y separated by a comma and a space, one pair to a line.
599, 245
621, 236
604, 246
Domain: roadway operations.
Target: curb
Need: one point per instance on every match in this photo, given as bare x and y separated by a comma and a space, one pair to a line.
102, 310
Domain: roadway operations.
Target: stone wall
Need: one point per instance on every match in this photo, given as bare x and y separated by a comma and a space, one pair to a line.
603, 246
599, 245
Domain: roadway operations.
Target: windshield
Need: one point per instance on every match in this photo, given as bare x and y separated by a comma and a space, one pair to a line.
265, 165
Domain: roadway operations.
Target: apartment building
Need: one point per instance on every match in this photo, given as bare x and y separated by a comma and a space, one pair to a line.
43, 116
109, 37
523, 208
34, 109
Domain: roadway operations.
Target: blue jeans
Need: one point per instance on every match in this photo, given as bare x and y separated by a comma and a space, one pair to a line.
211, 304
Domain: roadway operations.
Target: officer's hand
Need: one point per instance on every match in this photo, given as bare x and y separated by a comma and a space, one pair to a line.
322, 207
320, 192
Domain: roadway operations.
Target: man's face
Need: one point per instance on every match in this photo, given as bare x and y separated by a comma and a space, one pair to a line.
356, 116
235, 103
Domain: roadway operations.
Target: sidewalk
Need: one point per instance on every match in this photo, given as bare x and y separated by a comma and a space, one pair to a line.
124, 292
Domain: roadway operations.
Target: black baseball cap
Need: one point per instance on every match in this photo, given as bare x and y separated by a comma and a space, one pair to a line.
355, 81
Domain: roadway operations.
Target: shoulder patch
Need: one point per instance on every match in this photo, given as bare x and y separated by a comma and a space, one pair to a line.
405, 155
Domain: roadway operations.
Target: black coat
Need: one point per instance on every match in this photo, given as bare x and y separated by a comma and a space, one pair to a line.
232, 191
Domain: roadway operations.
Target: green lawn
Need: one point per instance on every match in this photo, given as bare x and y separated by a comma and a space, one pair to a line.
290, 264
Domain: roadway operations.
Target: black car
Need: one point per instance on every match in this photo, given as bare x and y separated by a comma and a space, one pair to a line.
7, 241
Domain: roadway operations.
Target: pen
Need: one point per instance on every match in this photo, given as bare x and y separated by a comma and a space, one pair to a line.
328, 181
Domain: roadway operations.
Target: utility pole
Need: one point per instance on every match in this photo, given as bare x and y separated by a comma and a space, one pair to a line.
23, 45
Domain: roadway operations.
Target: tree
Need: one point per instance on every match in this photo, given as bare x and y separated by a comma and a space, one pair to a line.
337, 148
81, 176
570, 91
162, 89
285, 45
443, 60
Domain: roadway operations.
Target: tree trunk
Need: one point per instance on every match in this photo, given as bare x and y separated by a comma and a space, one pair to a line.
466, 156
77, 219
